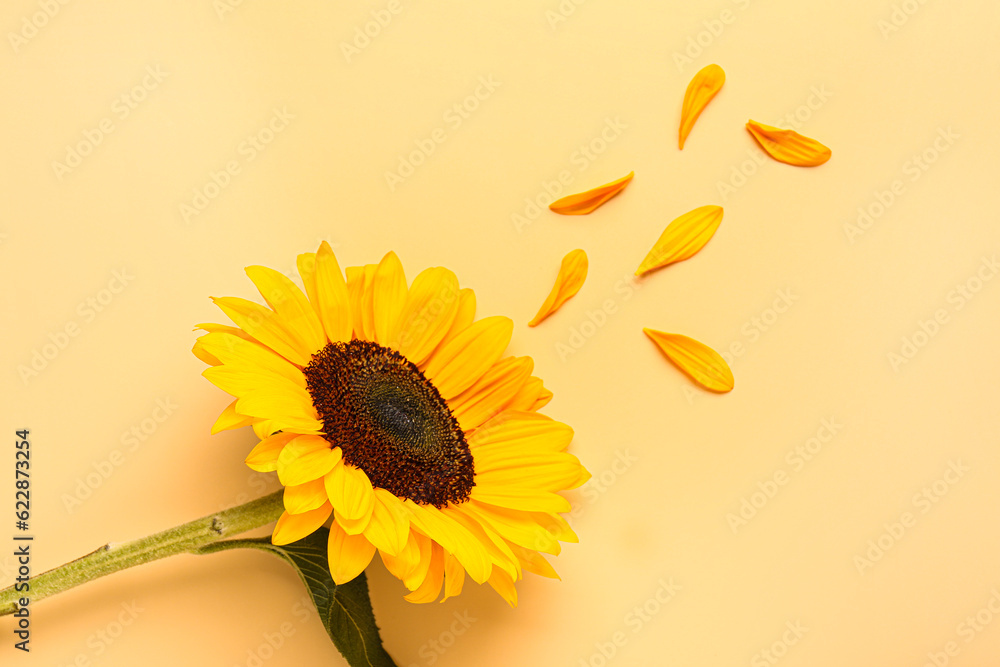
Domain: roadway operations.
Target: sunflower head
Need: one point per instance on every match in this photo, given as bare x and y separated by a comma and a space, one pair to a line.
389, 410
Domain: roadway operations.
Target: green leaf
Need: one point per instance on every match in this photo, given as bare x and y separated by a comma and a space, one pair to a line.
346, 610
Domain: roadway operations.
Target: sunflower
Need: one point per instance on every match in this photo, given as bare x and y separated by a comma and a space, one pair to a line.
391, 409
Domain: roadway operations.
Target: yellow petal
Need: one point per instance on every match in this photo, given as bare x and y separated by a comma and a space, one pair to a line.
265, 428
530, 431
401, 565
700, 362
428, 313
556, 525
291, 306
230, 419
429, 590
452, 536
454, 576
287, 408
349, 554
236, 351
520, 498
586, 202
703, 87
306, 264
306, 458
265, 326
683, 238
572, 274
532, 561
532, 396
388, 296
466, 314
199, 351
293, 527
491, 394
789, 146
353, 526
418, 571
464, 318
355, 295
389, 527
498, 549
299, 498
464, 359
224, 328
513, 526
331, 292
360, 291
242, 380
504, 585
264, 457
350, 491
498, 467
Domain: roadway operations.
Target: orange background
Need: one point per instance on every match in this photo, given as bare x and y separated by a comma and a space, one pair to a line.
884, 84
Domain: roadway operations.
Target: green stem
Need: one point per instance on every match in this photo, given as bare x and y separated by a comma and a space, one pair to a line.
110, 558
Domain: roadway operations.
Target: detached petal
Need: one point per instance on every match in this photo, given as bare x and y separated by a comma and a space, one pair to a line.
591, 200
572, 274
789, 146
703, 87
683, 238
700, 362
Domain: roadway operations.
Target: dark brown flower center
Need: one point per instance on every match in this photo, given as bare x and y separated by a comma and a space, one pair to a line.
390, 421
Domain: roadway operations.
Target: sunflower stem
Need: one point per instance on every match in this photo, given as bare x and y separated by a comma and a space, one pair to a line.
113, 557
